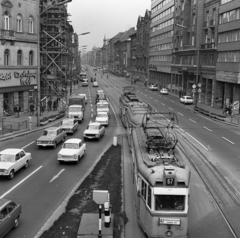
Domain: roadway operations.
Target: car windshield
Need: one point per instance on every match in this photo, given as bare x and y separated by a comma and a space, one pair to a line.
169, 202
66, 122
102, 106
93, 127
70, 146
101, 115
7, 158
101, 96
50, 133
188, 97
74, 109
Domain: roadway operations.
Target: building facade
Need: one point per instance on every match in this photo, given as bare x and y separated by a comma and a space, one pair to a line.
18, 61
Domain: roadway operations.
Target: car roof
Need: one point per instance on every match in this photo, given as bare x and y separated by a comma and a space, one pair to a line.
82, 94
53, 128
94, 123
11, 151
105, 113
102, 102
73, 140
69, 119
3, 201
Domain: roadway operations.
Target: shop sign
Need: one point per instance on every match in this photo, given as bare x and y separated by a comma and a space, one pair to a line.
25, 77
5, 76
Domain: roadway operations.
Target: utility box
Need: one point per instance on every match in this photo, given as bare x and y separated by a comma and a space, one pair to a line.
100, 196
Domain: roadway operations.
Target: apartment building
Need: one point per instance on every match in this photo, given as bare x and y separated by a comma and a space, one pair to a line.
18, 61
161, 41
228, 60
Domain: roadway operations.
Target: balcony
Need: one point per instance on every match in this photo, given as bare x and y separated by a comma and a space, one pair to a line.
205, 24
212, 23
7, 34
211, 45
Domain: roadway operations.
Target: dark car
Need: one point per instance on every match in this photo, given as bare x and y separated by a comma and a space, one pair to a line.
9, 216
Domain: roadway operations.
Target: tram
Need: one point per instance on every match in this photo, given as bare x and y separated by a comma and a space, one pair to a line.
160, 175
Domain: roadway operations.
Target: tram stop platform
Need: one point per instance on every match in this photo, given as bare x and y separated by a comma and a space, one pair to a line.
89, 226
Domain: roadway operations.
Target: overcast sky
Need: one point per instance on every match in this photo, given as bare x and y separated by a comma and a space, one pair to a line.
104, 17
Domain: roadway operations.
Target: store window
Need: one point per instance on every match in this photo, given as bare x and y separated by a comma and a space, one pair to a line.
19, 57
6, 57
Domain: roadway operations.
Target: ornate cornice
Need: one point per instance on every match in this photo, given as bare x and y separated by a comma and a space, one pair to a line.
7, 3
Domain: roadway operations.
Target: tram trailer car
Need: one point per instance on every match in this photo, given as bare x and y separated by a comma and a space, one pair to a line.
161, 177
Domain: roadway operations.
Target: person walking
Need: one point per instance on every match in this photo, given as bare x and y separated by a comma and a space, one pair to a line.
15, 110
50, 105
18, 110
31, 109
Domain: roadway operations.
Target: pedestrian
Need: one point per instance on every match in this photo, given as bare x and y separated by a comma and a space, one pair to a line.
107, 76
41, 108
31, 109
18, 110
15, 110
55, 105
50, 105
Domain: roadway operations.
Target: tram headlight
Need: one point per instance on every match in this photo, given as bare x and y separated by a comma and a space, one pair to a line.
168, 233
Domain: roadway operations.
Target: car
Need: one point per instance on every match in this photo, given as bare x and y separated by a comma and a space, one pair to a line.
153, 87
186, 100
164, 91
11, 160
95, 84
84, 82
103, 106
100, 96
51, 137
83, 95
69, 125
10, 213
72, 151
102, 117
95, 130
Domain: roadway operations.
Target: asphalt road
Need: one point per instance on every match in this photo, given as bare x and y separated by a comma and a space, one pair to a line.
218, 141
44, 185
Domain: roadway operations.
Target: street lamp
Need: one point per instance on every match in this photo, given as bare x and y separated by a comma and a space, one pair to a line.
85, 33
38, 53
198, 57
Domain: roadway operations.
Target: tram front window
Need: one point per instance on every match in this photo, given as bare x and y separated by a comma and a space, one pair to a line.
169, 202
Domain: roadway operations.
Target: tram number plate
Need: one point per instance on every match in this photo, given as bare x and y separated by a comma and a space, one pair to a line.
169, 181
169, 221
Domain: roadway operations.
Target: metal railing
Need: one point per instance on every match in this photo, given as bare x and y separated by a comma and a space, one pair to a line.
14, 127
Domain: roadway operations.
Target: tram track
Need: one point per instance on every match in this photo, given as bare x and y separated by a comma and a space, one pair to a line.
222, 192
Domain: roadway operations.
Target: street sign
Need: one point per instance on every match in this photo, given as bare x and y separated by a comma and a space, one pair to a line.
199, 90
199, 85
194, 86
194, 90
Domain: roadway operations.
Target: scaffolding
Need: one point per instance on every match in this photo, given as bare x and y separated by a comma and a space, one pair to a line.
55, 51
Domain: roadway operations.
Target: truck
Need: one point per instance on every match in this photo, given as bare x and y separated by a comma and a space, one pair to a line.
76, 107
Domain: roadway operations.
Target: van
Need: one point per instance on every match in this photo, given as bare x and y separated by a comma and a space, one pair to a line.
85, 82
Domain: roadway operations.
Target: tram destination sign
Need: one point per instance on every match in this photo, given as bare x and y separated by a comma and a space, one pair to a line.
169, 221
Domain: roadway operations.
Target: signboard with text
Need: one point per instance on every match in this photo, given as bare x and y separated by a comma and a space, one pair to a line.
11, 77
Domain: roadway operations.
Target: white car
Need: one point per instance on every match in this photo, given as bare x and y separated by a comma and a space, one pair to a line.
102, 117
186, 100
95, 84
153, 87
72, 151
11, 160
103, 106
83, 95
164, 91
95, 130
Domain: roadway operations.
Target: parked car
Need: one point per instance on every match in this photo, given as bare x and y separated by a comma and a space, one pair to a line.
72, 151
95, 84
102, 117
153, 87
69, 125
11, 160
95, 130
10, 213
51, 137
83, 95
164, 91
186, 100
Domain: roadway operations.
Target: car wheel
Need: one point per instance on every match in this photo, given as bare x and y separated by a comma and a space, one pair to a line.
99, 138
55, 144
16, 222
78, 160
59, 161
11, 175
26, 164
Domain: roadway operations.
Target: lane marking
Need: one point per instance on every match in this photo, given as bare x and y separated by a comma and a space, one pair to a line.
57, 175
207, 128
10, 190
91, 109
181, 129
171, 100
163, 104
150, 97
92, 115
145, 95
180, 114
28, 144
91, 104
156, 100
170, 108
192, 120
228, 140
197, 141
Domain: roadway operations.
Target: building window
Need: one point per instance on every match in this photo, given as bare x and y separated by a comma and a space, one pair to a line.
194, 19
193, 39
19, 57
30, 25
19, 23
31, 58
6, 21
6, 57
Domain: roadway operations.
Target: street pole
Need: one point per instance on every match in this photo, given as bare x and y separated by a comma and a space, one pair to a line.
197, 79
38, 68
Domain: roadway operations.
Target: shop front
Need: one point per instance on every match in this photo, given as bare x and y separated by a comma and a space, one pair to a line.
17, 87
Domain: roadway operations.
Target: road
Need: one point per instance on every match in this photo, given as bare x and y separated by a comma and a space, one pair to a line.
44, 185
219, 143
